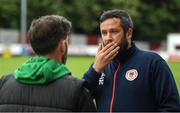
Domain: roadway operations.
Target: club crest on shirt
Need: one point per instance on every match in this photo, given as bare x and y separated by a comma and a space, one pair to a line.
131, 74
101, 79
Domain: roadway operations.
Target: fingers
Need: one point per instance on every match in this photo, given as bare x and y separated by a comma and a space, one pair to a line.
113, 53
109, 45
108, 52
105, 55
111, 48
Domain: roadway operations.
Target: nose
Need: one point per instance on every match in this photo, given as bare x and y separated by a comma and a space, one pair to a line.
108, 38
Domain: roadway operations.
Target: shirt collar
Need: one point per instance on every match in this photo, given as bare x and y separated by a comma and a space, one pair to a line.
124, 56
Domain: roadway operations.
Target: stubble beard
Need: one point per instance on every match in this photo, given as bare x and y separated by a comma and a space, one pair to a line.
123, 47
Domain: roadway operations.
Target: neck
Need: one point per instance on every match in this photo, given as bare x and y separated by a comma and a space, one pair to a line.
124, 55
129, 45
56, 57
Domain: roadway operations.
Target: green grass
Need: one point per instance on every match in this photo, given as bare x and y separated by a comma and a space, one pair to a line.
77, 65
8, 65
175, 68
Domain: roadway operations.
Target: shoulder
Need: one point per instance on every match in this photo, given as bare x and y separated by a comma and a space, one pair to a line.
77, 85
4, 79
73, 80
153, 59
70, 83
149, 55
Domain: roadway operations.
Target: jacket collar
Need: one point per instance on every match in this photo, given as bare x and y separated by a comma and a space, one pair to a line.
125, 55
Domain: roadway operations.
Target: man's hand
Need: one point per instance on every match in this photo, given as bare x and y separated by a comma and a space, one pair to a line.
105, 55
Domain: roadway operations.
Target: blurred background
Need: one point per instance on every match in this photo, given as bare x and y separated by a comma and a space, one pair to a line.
156, 23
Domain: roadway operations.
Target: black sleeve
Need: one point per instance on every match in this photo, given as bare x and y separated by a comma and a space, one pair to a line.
92, 78
86, 103
165, 88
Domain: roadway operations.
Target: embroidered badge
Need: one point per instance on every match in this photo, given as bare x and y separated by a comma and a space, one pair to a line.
131, 74
101, 79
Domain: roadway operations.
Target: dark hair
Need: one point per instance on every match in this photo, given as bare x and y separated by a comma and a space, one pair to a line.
46, 32
126, 20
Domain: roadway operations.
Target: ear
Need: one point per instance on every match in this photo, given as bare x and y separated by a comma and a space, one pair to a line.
129, 34
62, 46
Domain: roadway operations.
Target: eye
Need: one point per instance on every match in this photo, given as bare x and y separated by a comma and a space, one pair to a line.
103, 32
114, 31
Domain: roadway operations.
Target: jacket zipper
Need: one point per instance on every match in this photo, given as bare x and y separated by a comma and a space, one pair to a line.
113, 89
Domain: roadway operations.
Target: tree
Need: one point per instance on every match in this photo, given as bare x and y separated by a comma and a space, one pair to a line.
10, 14
158, 18
152, 19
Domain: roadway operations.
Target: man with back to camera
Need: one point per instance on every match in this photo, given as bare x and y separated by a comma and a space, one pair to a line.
44, 83
135, 80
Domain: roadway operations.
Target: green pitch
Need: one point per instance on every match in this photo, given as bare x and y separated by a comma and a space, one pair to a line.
77, 65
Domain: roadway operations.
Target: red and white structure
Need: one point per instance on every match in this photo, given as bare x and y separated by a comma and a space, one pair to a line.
81, 44
173, 46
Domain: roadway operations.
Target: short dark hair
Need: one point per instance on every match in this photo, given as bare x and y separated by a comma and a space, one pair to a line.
46, 32
126, 20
